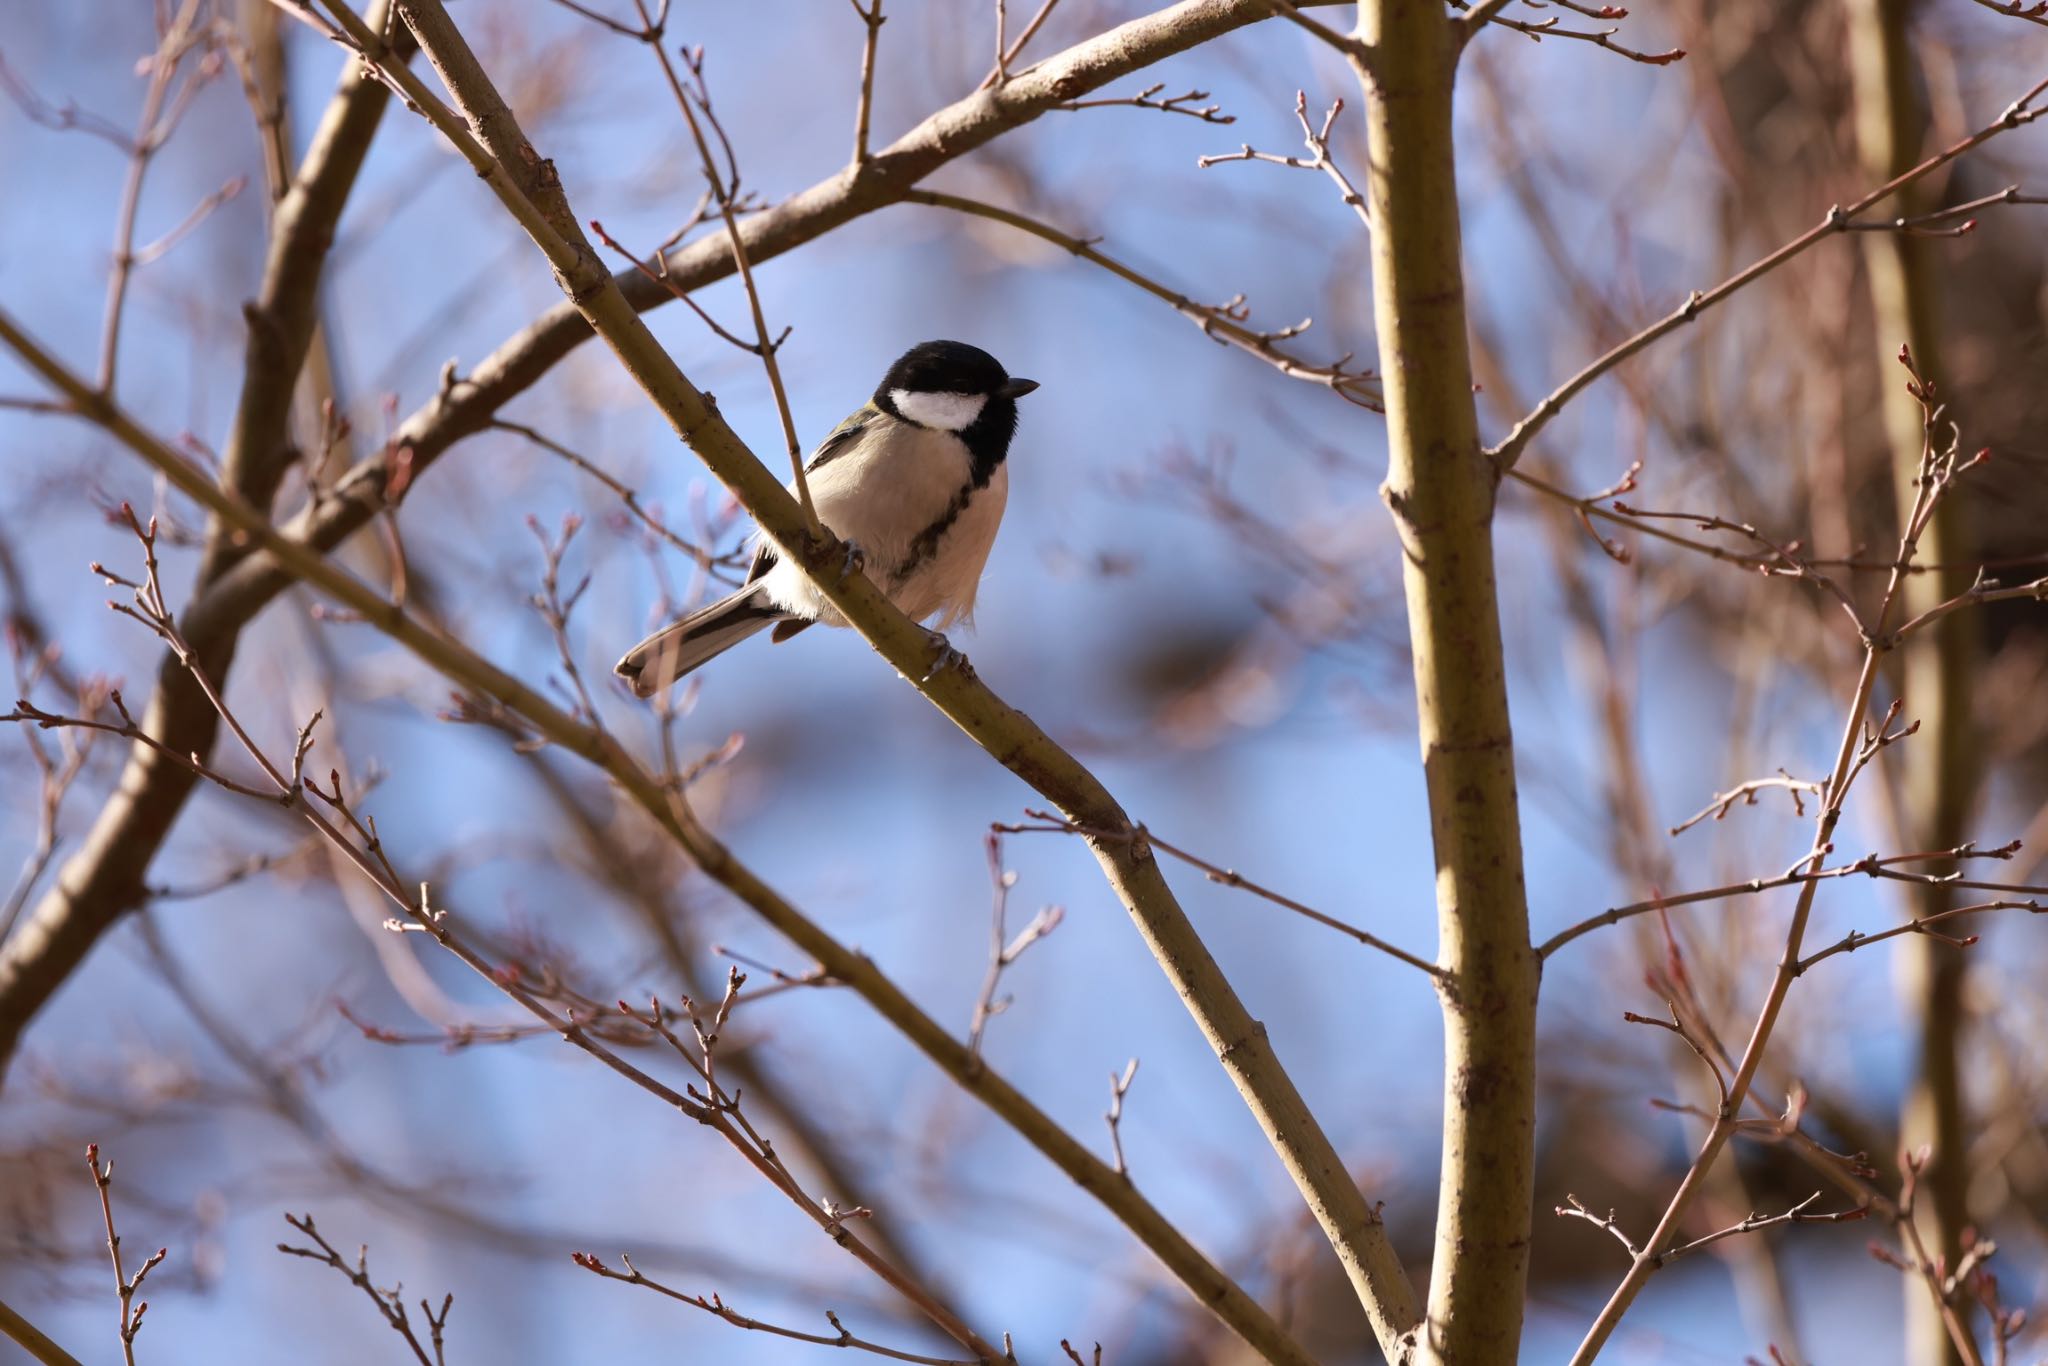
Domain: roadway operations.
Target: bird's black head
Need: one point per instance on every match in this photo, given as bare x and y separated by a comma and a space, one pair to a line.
951, 386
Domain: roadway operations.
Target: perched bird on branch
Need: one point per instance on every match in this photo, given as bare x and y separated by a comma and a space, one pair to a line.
914, 480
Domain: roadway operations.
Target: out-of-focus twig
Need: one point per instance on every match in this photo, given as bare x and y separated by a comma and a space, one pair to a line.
124, 1284
1838, 219
390, 1303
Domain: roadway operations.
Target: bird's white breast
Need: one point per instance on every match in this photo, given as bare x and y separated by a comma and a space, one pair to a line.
884, 493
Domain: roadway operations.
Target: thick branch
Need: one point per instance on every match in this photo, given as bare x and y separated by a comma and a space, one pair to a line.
1440, 490
1351, 1224
106, 876
459, 664
1938, 671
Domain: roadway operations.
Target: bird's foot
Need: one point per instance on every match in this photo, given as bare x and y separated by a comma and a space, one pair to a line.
854, 562
944, 657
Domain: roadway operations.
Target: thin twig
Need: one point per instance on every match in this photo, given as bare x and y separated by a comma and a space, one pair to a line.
1319, 159
1351, 47
1538, 30
152, 130
125, 1285
1837, 220
1002, 949
628, 497
1053, 823
1795, 1215
1939, 467
2036, 13
1119, 1087
1746, 792
1856, 939
725, 191
1870, 865
1224, 323
872, 20
1000, 72
711, 1304
1600, 1221
390, 1303
1172, 104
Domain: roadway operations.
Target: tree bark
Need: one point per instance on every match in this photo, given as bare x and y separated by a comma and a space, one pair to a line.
1940, 765
106, 877
1440, 488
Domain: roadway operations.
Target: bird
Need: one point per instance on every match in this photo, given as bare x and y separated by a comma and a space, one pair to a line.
914, 481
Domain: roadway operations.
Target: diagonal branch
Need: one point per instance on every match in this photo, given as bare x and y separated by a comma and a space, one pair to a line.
1224, 322
1211, 1287
505, 161
105, 877
1838, 219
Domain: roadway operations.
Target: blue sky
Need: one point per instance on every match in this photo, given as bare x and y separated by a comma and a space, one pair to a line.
854, 797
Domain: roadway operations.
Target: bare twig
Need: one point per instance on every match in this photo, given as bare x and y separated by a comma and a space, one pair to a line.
628, 497
1053, 823
871, 19
56, 773
1746, 793
1837, 220
554, 608
163, 106
1353, 48
1939, 466
1317, 140
1002, 949
1795, 1215
1600, 1221
1225, 322
711, 1304
999, 74
390, 1303
648, 31
1856, 939
125, 1285
2035, 13
1538, 30
1119, 1087
1172, 104
725, 190
1871, 865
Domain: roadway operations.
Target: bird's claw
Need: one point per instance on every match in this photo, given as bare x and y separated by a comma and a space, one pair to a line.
854, 562
944, 657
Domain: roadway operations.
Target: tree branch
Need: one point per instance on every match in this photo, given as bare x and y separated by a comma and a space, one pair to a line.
1212, 1288
1836, 220
106, 876
103, 879
1440, 492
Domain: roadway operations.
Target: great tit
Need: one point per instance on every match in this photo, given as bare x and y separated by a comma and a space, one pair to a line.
914, 479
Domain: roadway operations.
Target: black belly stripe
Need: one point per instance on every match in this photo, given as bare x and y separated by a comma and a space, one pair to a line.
927, 543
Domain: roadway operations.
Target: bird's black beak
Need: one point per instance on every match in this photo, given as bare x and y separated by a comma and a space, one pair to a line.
1017, 388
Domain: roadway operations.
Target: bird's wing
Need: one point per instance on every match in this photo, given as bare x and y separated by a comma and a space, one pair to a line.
842, 439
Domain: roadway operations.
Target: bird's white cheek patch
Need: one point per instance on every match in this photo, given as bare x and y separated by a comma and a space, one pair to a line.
947, 412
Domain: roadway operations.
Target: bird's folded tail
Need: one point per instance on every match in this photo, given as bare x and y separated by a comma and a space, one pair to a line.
674, 651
